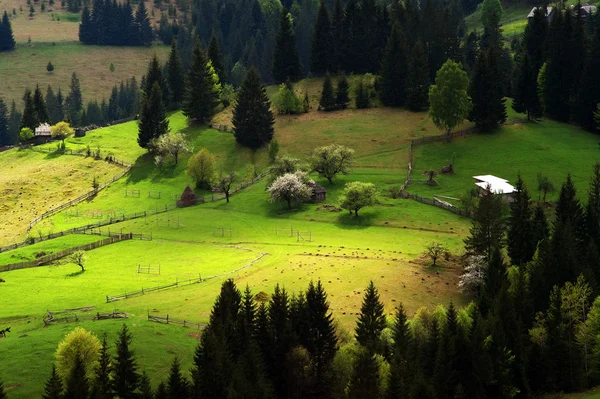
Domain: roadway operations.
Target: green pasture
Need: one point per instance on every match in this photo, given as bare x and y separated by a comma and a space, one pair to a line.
29, 252
551, 148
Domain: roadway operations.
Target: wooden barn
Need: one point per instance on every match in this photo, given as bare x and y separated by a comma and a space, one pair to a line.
319, 193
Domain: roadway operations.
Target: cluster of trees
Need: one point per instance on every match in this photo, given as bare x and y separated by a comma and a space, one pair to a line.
201, 168
7, 40
113, 23
557, 65
339, 99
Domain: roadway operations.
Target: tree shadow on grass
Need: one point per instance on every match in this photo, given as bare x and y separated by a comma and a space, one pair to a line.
54, 155
350, 222
75, 274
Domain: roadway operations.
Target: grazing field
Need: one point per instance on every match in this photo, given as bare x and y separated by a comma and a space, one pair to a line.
32, 183
26, 66
551, 148
29, 252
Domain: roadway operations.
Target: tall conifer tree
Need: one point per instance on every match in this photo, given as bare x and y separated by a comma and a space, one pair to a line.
525, 90
321, 45
519, 236
5, 138
142, 24
393, 70
371, 321
74, 100
29, 118
153, 119
54, 386
327, 101
286, 62
7, 40
77, 385
215, 56
417, 80
175, 75
201, 96
125, 371
40, 105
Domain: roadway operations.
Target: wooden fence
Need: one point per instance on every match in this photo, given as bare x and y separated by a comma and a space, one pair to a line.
435, 202
170, 320
71, 315
65, 252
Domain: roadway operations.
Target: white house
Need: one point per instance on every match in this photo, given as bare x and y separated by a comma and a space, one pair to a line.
43, 130
495, 185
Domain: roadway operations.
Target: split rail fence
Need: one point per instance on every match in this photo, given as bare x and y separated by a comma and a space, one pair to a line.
170, 320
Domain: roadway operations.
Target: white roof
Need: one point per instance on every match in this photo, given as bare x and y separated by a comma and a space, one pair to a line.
496, 185
42, 130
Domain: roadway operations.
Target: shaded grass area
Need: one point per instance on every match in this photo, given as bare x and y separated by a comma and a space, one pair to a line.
26, 66
549, 147
32, 183
46, 247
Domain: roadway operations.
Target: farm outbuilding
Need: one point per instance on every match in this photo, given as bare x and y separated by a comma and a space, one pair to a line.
319, 193
495, 185
43, 130
188, 198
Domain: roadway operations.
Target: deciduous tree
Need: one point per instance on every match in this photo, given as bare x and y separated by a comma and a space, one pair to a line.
173, 145
81, 344
201, 168
358, 195
224, 182
330, 160
291, 188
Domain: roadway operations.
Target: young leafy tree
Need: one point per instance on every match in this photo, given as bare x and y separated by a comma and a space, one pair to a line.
29, 118
371, 321
341, 95
77, 385
358, 195
173, 145
417, 79
330, 160
321, 42
286, 62
519, 237
435, 250
62, 130
202, 95
54, 386
252, 118
224, 182
201, 168
50, 67
290, 188
216, 58
488, 227
393, 70
153, 119
175, 75
327, 101
80, 344
545, 186
449, 103
125, 376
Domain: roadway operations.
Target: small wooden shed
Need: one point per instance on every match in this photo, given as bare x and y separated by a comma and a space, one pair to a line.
188, 198
319, 193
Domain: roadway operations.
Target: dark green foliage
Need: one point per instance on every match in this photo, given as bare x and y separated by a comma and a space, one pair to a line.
161, 392
77, 385
113, 23
39, 105
14, 123
494, 281
327, 101
371, 321
417, 79
399, 380
54, 112
525, 90
393, 70
519, 237
5, 138
342, 97
588, 96
252, 118
175, 76
215, 56
154, 74
145, 387
361, 95
286, 63
153, 119
534, 39
177, 385
7, 40
53, 388
488, 227
321, 45
125, 370
29, 118
201, 97
74, 101
102, 385
143, 29
365, 376
540, 229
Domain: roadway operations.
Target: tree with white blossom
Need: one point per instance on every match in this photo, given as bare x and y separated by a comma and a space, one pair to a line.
472, 278
291, 188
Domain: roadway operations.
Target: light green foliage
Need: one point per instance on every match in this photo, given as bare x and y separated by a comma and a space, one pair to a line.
449, 103
25, 134
286, 101
331, 160
62, 130
357, 195
201, 168
237, 73
491, 13
435, 250
273, 150
173, 145
217, 87
79, 342
79, 258
227, 95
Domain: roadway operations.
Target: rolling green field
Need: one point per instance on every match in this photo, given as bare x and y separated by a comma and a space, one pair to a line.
547, 147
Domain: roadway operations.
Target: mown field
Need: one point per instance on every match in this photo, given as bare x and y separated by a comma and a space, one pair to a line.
26, 66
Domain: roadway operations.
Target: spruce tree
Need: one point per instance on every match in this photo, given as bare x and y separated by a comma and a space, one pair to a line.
74, 100
286, 62
7, 40
102, 385
494, 280
540, 229
142, 24
54, 115
321, 44
488, 227
14, 124
399, 379
337, 36
145, 387
153, 119
364, 382
393, 70
215, 56
525, 90
2, 393
417, 79
54, 386
534, 39
558, 79
29, 118
175, 76
5, 138
177, 385
161, 392
371, 322
77, 385
154, 74
588, 96
485, 90
201, 96
39, 105
361, 95
125, 371
519, 237
342, 97
327, 101
86, 33
252, 118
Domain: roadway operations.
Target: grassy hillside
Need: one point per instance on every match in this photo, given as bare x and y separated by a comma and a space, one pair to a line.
32, 183
26, 66
548, 147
